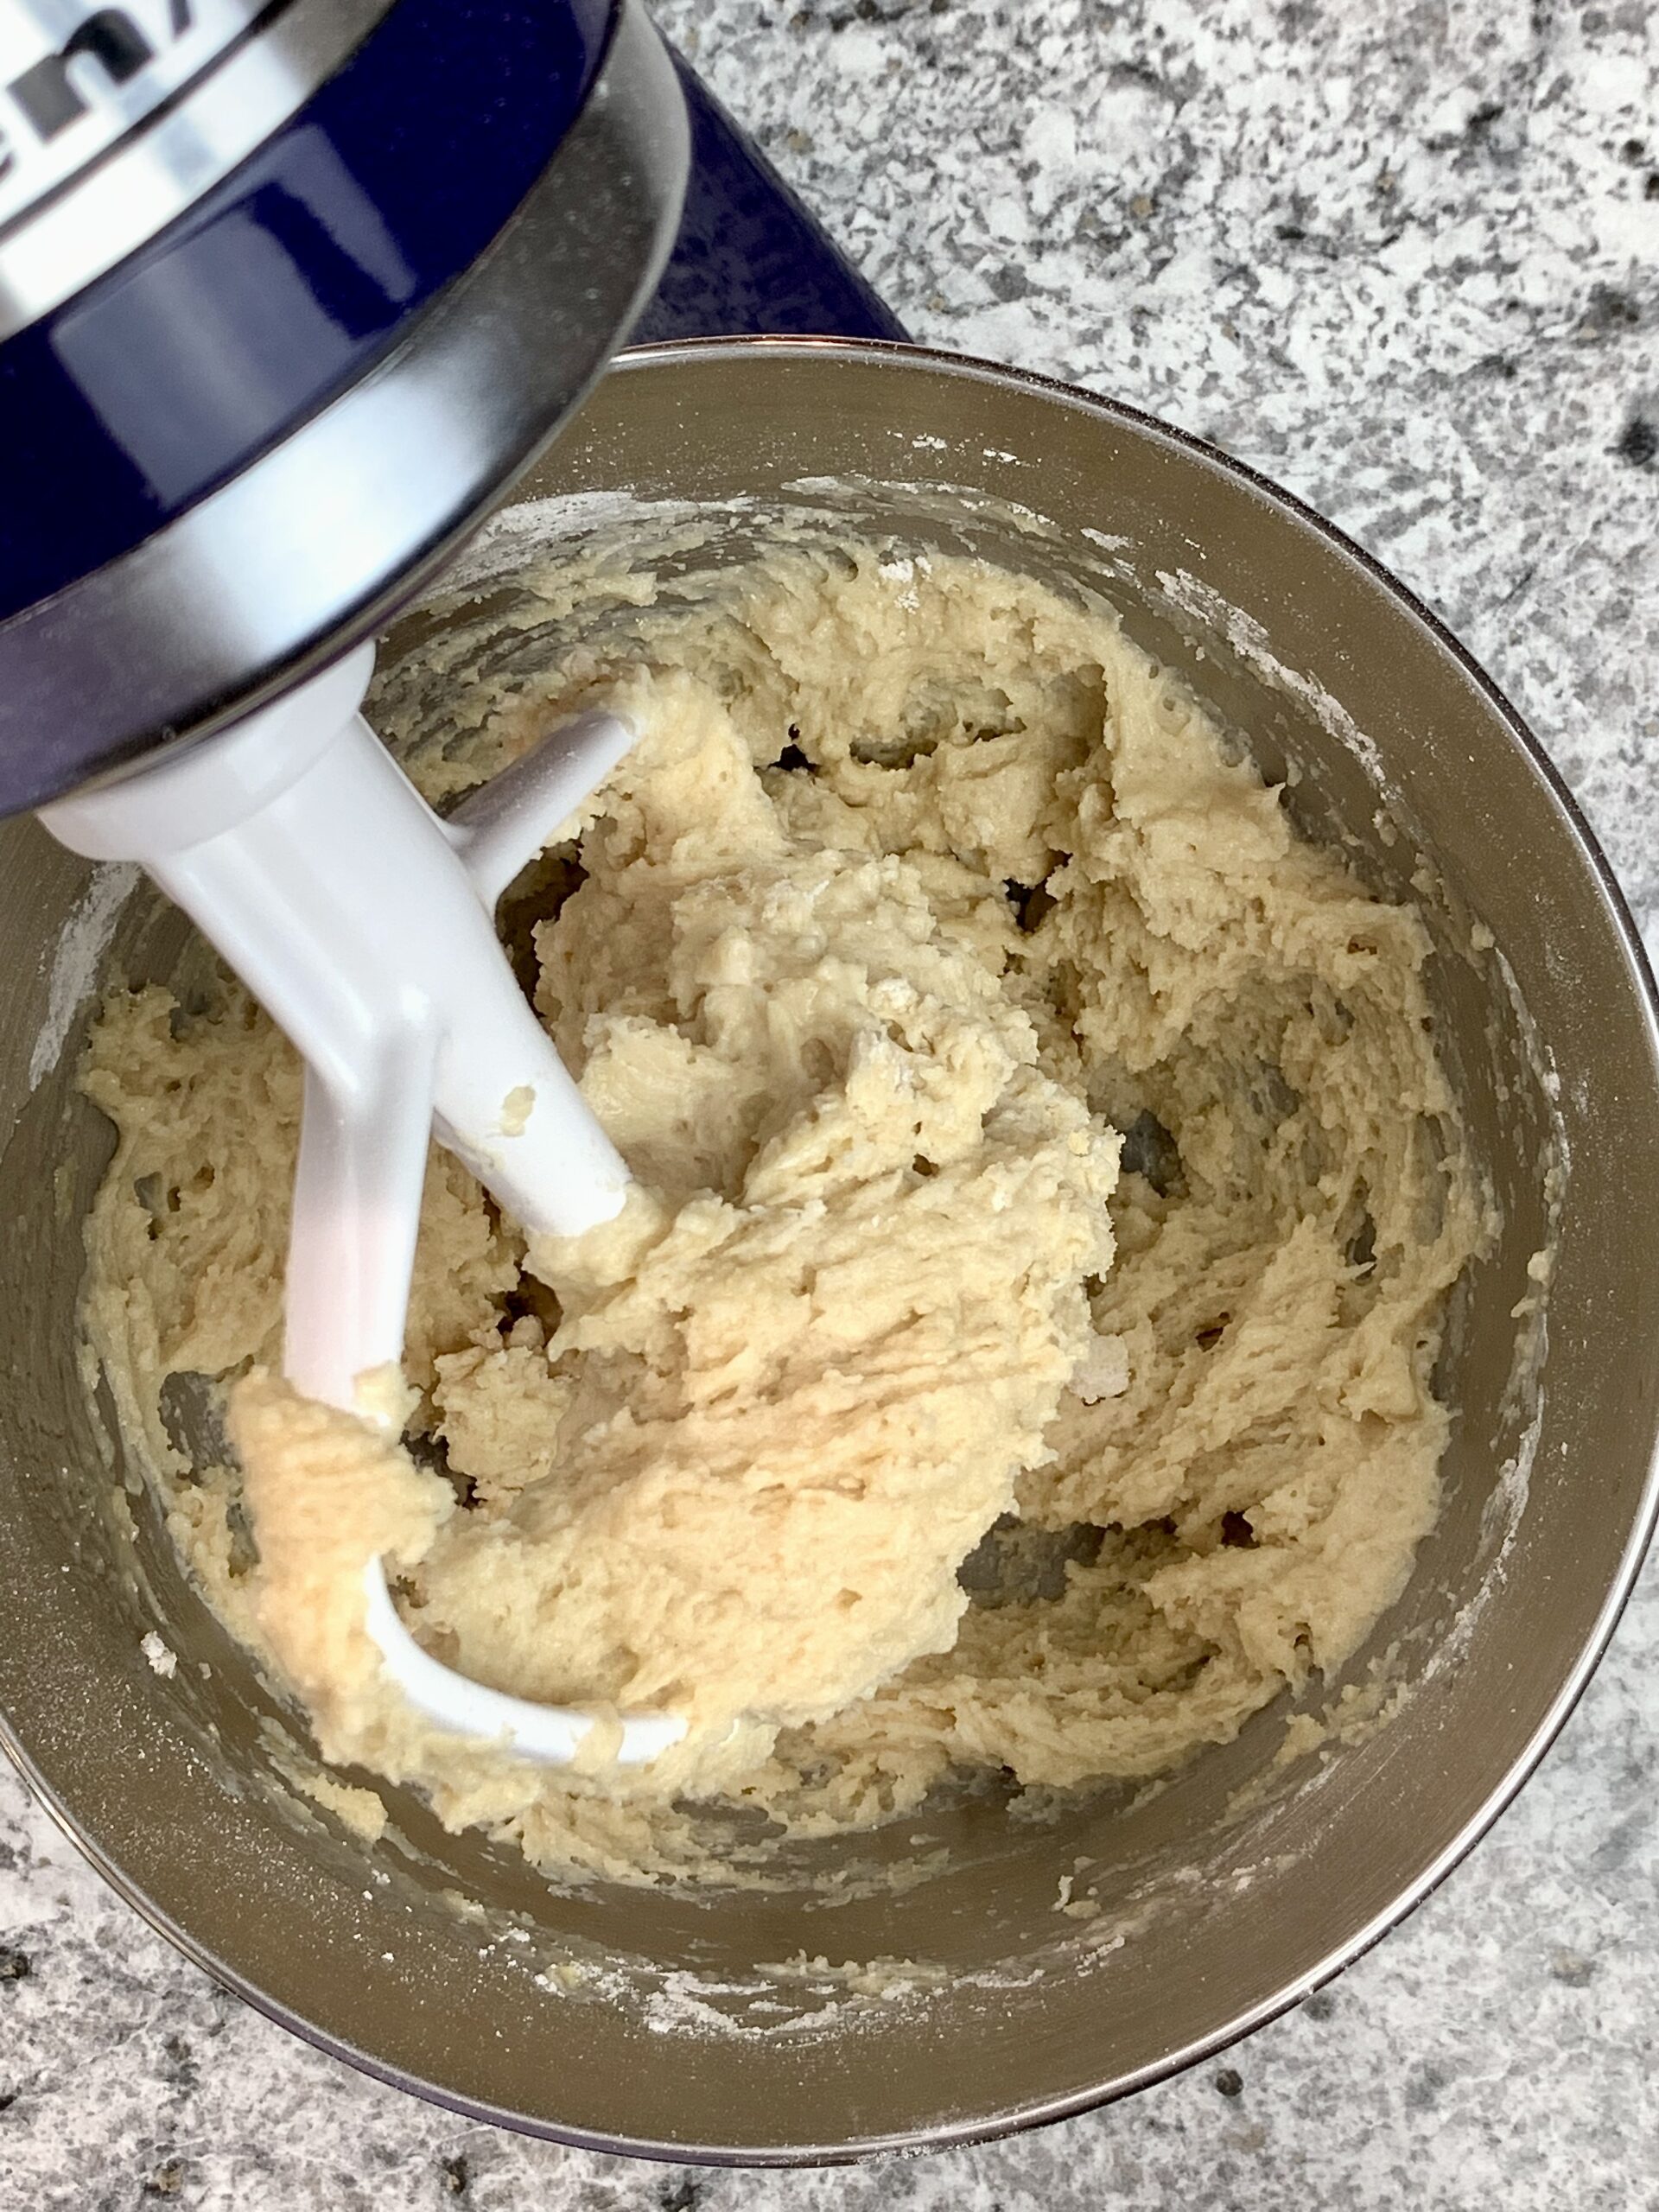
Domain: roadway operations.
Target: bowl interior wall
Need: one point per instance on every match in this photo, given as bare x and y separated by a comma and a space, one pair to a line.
1209, 1914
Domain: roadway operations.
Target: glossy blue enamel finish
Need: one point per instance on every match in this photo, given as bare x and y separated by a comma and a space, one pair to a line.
285, 283
749, 257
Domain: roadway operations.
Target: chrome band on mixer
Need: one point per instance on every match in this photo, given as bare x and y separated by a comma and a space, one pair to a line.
109, 132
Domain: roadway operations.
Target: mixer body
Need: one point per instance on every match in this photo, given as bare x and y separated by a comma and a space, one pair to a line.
287, 296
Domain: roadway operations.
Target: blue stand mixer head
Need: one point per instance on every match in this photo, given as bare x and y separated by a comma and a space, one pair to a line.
287, 295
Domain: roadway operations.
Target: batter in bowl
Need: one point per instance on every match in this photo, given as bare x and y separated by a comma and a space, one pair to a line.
1014, 1358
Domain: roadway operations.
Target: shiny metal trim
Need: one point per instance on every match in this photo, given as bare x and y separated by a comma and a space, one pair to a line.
311, 548
76, 80
95, 216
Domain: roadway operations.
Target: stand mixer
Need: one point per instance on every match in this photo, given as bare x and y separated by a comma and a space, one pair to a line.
288, 294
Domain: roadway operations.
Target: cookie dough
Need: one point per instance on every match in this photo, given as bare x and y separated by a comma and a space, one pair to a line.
1015, 1358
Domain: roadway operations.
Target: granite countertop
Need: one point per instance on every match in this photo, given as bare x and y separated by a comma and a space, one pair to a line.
1405, 259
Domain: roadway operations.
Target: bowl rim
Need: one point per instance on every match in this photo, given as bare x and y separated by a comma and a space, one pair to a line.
665, 357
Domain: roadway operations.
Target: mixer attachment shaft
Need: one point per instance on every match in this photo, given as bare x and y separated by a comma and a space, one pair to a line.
364, 926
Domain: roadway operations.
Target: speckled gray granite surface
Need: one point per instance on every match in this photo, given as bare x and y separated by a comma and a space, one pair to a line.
1403, 256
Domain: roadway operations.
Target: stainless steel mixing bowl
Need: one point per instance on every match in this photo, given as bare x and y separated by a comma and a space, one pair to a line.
649, 2022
